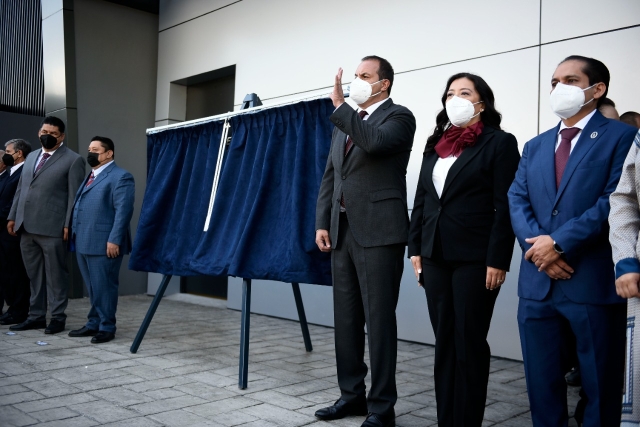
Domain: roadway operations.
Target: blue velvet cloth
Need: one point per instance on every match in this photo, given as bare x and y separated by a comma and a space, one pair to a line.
262, 224
180, 167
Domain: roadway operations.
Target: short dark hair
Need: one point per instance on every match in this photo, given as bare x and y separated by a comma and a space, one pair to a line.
630, 118
595, 70
106, 143
53, 121
385, 70
19, 145
607, 101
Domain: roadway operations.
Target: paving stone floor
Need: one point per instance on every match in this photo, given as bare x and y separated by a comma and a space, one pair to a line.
186, 374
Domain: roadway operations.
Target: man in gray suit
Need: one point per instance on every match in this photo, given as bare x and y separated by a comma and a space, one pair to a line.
40, 213
361, 217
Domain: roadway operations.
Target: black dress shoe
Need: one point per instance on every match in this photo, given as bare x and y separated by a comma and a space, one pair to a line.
342, 408
12, 320
83, 332
5, 315
380, 420
54, 327
103, 336
29, 324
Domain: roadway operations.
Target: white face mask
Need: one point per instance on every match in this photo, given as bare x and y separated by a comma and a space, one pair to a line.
360, 91
567, 100
460, 110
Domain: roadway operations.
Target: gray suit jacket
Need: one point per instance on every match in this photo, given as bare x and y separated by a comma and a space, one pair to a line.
372, 177
43, 202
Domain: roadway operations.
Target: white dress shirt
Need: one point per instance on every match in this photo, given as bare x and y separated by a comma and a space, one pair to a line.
371, 108
42, 154
581, 125
15, 167
440, 172
100, 169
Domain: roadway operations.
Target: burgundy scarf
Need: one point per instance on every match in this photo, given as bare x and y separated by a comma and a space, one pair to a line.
456, 139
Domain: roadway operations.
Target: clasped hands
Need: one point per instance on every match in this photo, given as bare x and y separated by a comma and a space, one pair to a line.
546, 258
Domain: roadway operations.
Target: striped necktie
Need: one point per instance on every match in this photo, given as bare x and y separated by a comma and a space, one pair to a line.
42, 161
90, 180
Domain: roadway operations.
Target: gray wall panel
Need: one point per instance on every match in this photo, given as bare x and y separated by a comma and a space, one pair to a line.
116, 50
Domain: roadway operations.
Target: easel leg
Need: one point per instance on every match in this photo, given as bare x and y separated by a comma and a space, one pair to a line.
302, 316
244, 334
152, 310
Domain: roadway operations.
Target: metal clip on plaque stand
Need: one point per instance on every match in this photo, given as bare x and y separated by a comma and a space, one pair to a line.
250, 101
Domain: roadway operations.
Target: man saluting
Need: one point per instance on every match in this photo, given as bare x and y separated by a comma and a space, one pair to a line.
361, 217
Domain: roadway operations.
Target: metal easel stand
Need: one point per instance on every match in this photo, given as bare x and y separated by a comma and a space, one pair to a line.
250, 101
152, 310
245, 325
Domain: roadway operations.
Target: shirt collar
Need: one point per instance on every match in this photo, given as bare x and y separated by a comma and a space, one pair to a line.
581, 124
100, 169
51, 152
15, 168
373, 107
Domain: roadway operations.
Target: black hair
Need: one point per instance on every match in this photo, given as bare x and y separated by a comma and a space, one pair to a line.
630, 118
489, 117
106, 143
595, 70
607, 101
53, 121
19, 145
385, 70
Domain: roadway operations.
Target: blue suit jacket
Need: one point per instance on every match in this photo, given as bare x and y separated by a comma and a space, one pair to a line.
102, 212
575, 215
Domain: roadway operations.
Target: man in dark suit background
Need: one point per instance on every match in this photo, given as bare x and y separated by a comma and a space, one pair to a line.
362, 218
3, 177
14, 276
101, 235
41, 212
559, 204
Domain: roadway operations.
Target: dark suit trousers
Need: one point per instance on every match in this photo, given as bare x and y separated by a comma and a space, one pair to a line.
366, 283
15, 282
101, 276
460, 309
548, 329
45, 259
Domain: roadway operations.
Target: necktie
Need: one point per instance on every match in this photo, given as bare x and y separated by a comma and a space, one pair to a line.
42, 161
347, 148
349, 143
563, 151
90, 180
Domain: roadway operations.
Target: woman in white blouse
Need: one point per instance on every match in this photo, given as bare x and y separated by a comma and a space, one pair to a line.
461, 241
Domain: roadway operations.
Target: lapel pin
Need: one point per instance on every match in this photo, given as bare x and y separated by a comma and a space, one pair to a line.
594, 135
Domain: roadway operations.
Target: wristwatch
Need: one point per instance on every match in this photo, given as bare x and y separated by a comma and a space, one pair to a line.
557, 248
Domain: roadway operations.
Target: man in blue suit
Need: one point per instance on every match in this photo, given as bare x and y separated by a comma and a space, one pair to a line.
101, 235
559, 203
